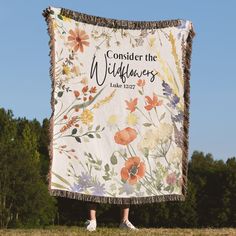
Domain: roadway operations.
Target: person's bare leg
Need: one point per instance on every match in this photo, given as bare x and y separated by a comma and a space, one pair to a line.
124, 217
92, 211
92, 222
124, 213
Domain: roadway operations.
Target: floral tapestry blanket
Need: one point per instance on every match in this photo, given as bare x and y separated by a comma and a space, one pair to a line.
120, 108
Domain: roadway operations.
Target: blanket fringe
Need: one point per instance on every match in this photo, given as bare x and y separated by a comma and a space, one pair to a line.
46, 14
117, 201
112, 23
186, 49
186, 61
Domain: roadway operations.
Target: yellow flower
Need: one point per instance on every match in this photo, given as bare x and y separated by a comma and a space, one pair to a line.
86, 117
66, 19
66, 70
132, 119
112, 120
151, 42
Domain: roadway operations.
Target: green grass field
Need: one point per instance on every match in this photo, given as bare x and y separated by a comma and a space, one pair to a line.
78, 231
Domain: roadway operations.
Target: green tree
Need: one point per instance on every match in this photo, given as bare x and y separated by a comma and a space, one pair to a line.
8, 133
24, 195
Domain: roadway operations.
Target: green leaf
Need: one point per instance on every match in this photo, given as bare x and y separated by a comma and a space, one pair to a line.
98, 127
90, 127
99, 162
167, 188
97, 168
59, 94
106, 177
162, 116
140, 92
113, 159
90, 136
98, 135
60, 17
78, 139
146, 152
74, 131
62, 179
138, 186
147, 124
107, 167
58, 185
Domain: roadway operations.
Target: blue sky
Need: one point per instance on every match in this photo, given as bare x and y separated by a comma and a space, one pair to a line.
24, 61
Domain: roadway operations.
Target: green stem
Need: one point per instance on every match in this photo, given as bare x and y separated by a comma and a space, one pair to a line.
156, 114
129, 151
149, 164
64, 110
145, 115
147, 188
133, 150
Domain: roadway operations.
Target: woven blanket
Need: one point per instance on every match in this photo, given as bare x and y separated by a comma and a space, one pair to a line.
120, 108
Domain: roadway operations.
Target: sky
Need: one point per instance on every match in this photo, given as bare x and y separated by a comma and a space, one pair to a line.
24, 61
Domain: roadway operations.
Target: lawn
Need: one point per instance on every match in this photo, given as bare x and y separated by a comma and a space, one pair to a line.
78, 231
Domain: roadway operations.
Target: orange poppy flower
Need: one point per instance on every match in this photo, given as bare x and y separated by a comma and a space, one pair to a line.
125, 136
133, 171
131, 104
141, 82
152, 102
78, 39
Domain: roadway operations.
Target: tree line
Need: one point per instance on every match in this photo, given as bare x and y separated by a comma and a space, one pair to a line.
25, 201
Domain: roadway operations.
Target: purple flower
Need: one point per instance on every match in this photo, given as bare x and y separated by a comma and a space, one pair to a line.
127, 188
76, 188
179, 136
167, 90
84, 181
98, 189
178, 118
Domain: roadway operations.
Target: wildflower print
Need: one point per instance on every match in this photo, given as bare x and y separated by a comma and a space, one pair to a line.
78, 39
76, 93
127, 188
152, 102
70, 123
141, 83
133, 171
93, 89
112, 120
75, 70
132, 119
98, 189
86, 117
131, 104
148, 143
66, 70
171, 179
85, 89
125, 136
163, 133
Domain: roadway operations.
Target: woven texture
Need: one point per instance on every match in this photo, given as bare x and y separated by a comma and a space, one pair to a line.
120, 108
